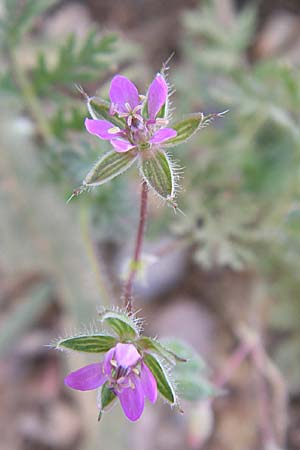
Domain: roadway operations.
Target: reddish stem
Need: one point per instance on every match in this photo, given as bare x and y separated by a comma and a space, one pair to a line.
233, 363
127, 289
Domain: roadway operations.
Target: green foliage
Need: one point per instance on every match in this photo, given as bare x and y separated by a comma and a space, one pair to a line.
75, 60
236, 169
242, 175
45, 89
19, 18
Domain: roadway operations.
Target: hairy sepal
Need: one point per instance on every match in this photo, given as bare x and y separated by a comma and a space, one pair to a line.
191, 377
108, 167
195, 388
156, 169
164, 384
153, 346
99, 109
193, 361
94, 343
123, 325
185, 129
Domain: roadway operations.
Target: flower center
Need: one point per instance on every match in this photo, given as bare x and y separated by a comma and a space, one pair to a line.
132, 115
120, 377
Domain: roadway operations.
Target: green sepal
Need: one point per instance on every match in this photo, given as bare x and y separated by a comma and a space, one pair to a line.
157, 171
186, 128
193, 361
107, 397
195, 388
99, 109
123, 325
164, 384
95, 343
154, 346
108, 167
190, 377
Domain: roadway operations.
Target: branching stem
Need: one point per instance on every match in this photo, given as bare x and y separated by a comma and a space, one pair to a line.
134, 266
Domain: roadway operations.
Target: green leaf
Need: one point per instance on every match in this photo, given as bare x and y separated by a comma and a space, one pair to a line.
95, 343
108, 167
152, 345
157, 171
164, 384
185, 129
99, 109
123, 325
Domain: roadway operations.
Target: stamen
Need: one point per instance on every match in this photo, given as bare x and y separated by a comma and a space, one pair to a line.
114, 363
139, 117
121, 380
114, 130
128, 107
137, 108
136, 371
161, 121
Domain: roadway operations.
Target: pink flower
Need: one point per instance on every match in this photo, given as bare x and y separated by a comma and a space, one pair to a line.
127, 375
140, 129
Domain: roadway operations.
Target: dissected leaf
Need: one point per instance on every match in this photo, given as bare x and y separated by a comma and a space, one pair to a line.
77, 61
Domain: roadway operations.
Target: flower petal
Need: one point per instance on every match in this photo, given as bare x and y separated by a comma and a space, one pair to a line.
126, 355
106, 363
132, 400
157, 95
86, 378
102, 128
121, 146
163, 135
148, 383
123, 91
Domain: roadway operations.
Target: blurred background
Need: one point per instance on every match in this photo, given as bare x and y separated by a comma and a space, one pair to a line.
224, 277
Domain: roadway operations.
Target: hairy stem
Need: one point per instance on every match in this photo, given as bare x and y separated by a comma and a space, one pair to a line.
134, 266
